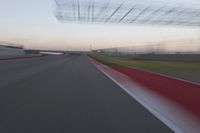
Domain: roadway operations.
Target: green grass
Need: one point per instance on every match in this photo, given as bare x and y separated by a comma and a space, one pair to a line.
184, 70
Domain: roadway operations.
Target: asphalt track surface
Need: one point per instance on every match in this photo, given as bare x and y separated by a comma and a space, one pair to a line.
67, 94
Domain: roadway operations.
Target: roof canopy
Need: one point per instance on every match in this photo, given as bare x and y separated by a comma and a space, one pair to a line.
128, 11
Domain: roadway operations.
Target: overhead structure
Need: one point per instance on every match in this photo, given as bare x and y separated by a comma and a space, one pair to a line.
127, 11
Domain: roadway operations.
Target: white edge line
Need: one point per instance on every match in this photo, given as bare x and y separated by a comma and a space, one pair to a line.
155, 112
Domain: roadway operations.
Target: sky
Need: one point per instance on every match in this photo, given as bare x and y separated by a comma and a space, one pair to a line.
33, 24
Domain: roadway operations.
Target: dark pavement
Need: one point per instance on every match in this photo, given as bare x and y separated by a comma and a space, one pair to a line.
67, 94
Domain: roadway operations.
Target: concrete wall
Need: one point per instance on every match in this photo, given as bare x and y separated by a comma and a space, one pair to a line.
8, 51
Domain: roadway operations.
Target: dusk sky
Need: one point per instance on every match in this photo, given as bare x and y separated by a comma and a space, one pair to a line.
33, 24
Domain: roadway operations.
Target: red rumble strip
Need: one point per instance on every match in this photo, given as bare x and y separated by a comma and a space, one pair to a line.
184, 93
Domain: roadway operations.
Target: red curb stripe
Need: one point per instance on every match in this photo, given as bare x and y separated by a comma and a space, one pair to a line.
174, 116
184, 93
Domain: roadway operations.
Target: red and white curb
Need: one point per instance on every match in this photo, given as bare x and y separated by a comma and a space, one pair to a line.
174, 116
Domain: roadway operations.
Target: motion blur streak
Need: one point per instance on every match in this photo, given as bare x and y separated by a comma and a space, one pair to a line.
128, 11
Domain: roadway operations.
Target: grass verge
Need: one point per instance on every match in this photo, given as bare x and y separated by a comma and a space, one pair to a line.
179, 69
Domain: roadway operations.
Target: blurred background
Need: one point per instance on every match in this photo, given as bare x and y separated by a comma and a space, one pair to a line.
35, 25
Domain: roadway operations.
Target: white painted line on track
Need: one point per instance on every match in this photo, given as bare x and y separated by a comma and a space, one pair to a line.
175, 117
